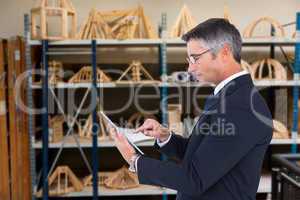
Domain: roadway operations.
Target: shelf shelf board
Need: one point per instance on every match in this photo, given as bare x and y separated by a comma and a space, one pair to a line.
86, 143
155, 42
143, 190
101, 42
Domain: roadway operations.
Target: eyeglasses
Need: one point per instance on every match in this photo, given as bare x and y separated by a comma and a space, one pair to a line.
195, 57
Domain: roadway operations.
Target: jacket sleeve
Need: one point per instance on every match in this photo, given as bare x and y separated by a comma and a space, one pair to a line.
175, 147
216, 156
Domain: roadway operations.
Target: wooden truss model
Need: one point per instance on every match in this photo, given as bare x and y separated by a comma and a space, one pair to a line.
246, 66
86, 131
273, 68
174, 117
56, 127
136, 72
279, 32
138, 118
45, 11
226, 13
56, 124
117, 24
63, 181
55, 72
279, 130
122, 179
85, 76
184, 22
88, 181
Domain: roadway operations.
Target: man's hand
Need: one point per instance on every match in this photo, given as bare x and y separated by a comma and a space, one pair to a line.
154, 129
126, 150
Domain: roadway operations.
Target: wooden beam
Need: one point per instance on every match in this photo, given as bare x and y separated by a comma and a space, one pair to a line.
18, 128
4, 157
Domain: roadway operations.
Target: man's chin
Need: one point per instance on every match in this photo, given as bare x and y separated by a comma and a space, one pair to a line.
203, 81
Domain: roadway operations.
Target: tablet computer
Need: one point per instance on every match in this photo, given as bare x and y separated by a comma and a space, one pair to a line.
113, 125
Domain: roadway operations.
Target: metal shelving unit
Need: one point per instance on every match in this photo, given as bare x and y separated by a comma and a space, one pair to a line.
162, 44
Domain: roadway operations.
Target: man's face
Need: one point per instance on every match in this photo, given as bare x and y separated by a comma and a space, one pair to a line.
206, 67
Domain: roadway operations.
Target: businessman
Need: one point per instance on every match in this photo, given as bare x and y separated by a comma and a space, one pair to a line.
222, 158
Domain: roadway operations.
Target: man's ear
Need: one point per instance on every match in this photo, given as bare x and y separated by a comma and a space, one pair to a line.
225, 52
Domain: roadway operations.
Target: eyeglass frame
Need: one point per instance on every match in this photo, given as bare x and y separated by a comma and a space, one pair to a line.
193, 59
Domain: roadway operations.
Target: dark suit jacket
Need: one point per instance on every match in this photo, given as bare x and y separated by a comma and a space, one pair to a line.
222, 158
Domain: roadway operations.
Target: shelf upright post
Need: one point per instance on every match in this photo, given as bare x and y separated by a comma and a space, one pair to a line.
296, 88
272, 46
30, 105
95, 127
45, 124
163, 74
163, 70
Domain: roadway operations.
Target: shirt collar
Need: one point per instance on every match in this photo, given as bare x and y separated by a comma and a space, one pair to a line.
228, 79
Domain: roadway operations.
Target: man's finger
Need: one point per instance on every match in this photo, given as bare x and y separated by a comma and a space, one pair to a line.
144, 127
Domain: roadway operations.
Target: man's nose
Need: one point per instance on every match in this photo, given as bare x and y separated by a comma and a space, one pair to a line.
191, 68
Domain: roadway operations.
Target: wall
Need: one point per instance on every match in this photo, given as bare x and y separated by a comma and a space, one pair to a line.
242, 11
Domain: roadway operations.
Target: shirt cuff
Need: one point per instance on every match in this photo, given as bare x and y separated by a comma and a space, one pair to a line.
161, 144
135, 163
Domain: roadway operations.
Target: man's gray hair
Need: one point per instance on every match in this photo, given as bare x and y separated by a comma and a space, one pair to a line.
216, 32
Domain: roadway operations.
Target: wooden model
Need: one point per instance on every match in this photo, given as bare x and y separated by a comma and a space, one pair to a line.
279, 32
122, 179
86, 131
88, 181
138, 118
273, 68
226, 13
63, 181
85, 76
246, 66
174, 117
184, 22
56, 127
136, 72
117, 24
56, 124
95, 27
55, 72
46, 9
279, 130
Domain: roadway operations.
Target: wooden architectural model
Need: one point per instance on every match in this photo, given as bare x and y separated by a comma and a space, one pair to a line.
86, 131
56, 127
55, 72
246, 66
85, 76
63, 181
279, 130
184, 22
88, 181
136, 72
174, 117
226, 13
268, 69
117, 24
122, 179
53, 9
279, 31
